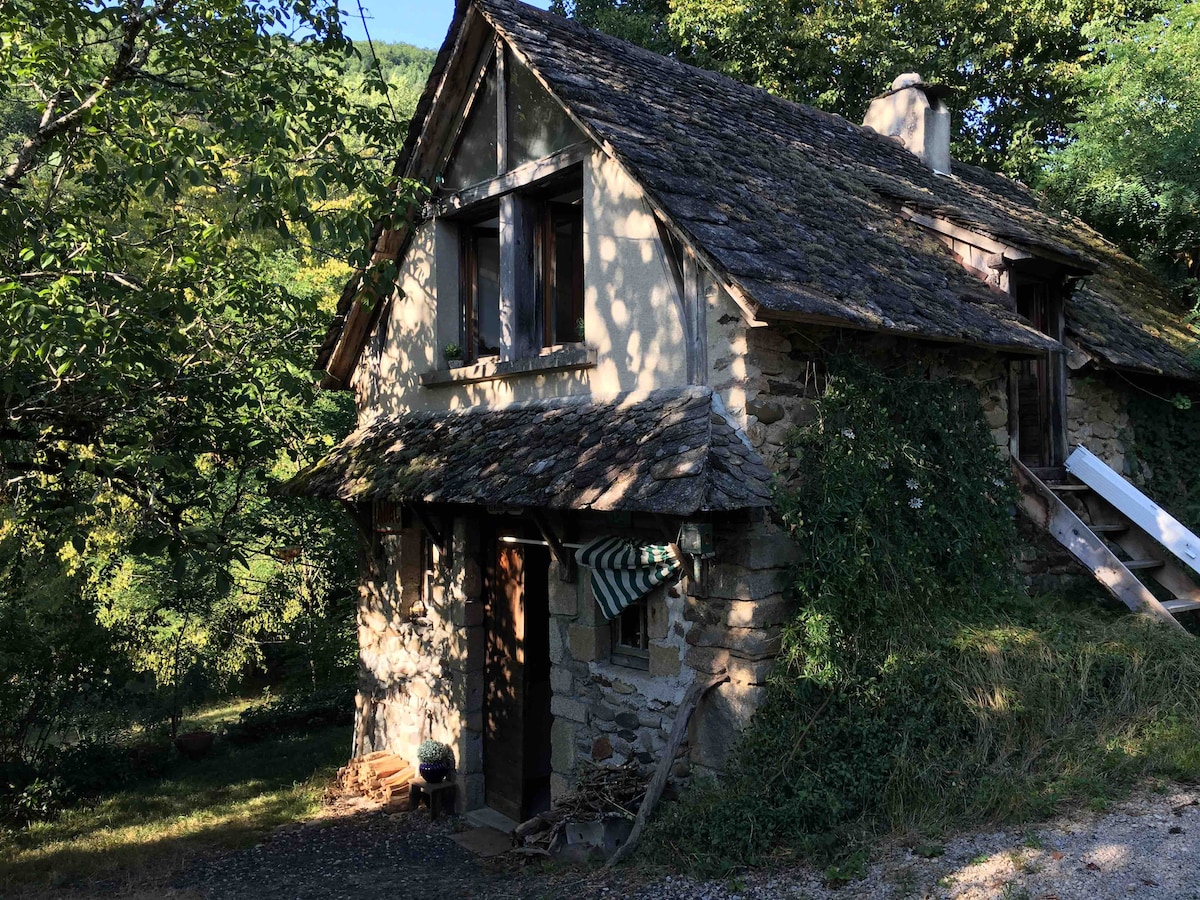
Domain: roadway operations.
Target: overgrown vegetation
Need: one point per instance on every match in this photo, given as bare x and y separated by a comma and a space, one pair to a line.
1164, 459
919, 687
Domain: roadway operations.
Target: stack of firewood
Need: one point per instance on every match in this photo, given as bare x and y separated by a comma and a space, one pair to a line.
381, 777
601, 791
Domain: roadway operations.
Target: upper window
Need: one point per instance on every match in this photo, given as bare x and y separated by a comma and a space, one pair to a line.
520, 232
561, 247
480, 242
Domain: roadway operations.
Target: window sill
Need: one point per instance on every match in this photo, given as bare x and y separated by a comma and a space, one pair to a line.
563, 358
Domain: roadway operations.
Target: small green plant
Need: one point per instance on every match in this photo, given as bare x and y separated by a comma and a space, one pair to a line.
1034, 841
579, 329
980, 859
432, 753
929, 851
452, 352
852, 868
1014, 891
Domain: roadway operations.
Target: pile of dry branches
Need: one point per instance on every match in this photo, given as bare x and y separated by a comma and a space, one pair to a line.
601, 791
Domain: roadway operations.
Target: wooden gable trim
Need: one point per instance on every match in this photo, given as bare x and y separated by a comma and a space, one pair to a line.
486, 55
1009, 252
475, 41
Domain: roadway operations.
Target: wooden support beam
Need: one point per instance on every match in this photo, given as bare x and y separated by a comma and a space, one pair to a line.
520, 334
699, 688
435, 534
501, 108
516, 179
568, 569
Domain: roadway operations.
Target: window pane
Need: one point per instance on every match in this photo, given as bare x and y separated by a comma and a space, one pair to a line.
474, 158
537, 125
564, 281
630, 628
487, 293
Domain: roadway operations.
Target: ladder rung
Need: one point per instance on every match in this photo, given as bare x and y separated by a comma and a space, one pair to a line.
1111, 528
1180, 605
1068, 486
1143, 564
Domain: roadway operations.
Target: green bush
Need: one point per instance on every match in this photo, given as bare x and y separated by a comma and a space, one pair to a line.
918, 687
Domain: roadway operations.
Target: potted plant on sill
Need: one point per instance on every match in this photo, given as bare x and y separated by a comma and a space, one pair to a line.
436, 761
453, 354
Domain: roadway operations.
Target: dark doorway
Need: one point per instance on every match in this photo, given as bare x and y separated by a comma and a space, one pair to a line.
1038, 384
516, 743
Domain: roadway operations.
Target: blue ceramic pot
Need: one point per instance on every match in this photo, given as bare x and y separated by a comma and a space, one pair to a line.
435, 773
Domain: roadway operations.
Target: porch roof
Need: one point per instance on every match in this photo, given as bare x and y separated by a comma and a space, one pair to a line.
671, 452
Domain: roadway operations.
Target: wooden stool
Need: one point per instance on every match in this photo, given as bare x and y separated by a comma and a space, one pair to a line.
439, 797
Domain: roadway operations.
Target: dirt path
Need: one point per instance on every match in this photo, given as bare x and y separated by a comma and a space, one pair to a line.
1147, 847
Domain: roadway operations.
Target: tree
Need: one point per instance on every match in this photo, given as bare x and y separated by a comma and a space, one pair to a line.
175, 147
1014, 65
1133, 168
172, 176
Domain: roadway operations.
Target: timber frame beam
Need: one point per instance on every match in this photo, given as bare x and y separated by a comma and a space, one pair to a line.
521, 176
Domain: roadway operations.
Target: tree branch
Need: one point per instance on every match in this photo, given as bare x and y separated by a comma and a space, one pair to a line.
127, 63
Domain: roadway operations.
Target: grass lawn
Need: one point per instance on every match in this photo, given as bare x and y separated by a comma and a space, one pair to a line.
146, 832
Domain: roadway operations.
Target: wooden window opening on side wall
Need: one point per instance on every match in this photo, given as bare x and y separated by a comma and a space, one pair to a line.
630, 636
1038, 385
480, 289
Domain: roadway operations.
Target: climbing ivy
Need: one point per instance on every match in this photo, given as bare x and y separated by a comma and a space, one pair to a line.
919, 687
1164, 460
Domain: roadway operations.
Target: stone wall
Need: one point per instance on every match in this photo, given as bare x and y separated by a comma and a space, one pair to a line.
730, 617
1098, 417
421, 656
769, 377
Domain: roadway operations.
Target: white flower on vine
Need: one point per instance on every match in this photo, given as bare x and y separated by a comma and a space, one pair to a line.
998, 482
915, 503
847, 433
912, 484
885, 464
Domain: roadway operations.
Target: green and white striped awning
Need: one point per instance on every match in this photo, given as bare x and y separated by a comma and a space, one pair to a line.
624, 571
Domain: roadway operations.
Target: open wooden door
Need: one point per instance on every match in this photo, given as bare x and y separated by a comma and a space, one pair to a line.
516, 743
1037, 390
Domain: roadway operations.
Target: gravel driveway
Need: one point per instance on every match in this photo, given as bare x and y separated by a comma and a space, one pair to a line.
1147, 847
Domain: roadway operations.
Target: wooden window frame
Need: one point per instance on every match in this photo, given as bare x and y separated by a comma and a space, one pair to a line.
468, 275
625, 654
1051, 366
548, 249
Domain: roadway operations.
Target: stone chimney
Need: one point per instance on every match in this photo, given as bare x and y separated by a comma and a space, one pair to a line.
914, 113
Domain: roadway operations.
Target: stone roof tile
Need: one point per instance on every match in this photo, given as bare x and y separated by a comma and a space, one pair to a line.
664, 453
799, 207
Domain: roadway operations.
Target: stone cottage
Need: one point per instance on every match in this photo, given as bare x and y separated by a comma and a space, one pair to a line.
639, 265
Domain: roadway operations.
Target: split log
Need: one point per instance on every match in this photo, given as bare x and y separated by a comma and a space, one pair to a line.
659, 781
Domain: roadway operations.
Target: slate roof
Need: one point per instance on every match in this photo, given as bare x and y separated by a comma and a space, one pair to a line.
671, 452
799, 207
